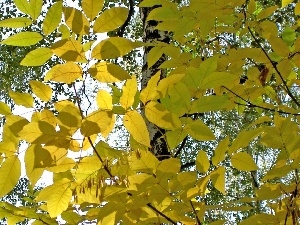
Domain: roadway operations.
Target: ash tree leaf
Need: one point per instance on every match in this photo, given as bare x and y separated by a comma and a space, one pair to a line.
69, 50
113, 47
76, 20
136, 126
202, 162
129, 91
104, 100
10, 172
65, 73
4, 109
25, 38
17, 22
108, 72
200, 131
218, 179
91, 8
149, 93
41, 90
52, 18
24, 6
33, 174
284, 3
37, 57
220, 151
110, 19
23, 99
243, 161
36, 8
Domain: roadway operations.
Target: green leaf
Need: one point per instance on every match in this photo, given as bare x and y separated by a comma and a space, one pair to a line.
200, 131
23, 99
91, 8
25, 38
113, 47
210, 103
289, 35
52, 18
36, 7
66, 73
24, 6
16, 22
108, 72
43, 91
136, 126
10, 173
243, 161
110, 19
202, 162
37, 57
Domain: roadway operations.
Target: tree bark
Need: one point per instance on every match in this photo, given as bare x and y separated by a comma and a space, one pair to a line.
158, 142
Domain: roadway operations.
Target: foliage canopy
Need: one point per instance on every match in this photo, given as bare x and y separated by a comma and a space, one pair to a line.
226, 60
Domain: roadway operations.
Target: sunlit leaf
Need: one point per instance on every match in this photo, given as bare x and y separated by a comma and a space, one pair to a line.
4, 109
243, 161
76, 20
202, 162
149, 92
198, 130
16, 22
104, 100
25, 38
24, 6
66, 73
129, 91
108, 72
284, 3
43, 91
110, 19
113, 47
219, 153
69, 50
52, 18
36, 7
135, 124
218, 179
23, 99
91, 8
37, 57
10, 172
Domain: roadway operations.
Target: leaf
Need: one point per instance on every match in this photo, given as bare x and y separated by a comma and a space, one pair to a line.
104, 100
52, 18
65, 73
243, 161
149, 92
110, 19
167, 169
200, 131
260, 219
297, 8
36, 7
69, 50
218, 179
10, 173
57, 196
17, 22
267, 12
202, 162
91, 8
23, 99
210, 103
113, 47
95, 122
136, 126
289, 35
43, 91
25, 38
217, 79
284, 3
220, 151
156, 113
108, 72
129, 91
24, 6
4, 109
37, 57
76, 20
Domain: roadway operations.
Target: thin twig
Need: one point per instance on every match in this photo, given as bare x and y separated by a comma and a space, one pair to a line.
160, 213
197, 218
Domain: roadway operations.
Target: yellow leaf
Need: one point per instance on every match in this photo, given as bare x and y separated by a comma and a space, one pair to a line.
260, 219
167, 169
243, 161
136, 126
154, 55
129, 91
104, 100
65, 73
70, 118
143, 161
202, 162
96, 122
57, 196
65, 32
52, 18
110, 19
111, 126
284, 3
108, 72
149, 92
219, 153
297, 8
15, 123
10, 173
37, 57
24, 6
179, 99
76, 20
41, 90
157, 114
218, 179
25, 38
65, 165
23, 99
113, 47
45, 115
36, 7
217, 79
17, 22
267, 12
91, 8
69, 50
200, 131
210, 103
175, 137
4, 109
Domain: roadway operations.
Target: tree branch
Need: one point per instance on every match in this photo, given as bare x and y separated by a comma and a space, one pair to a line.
160, 213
